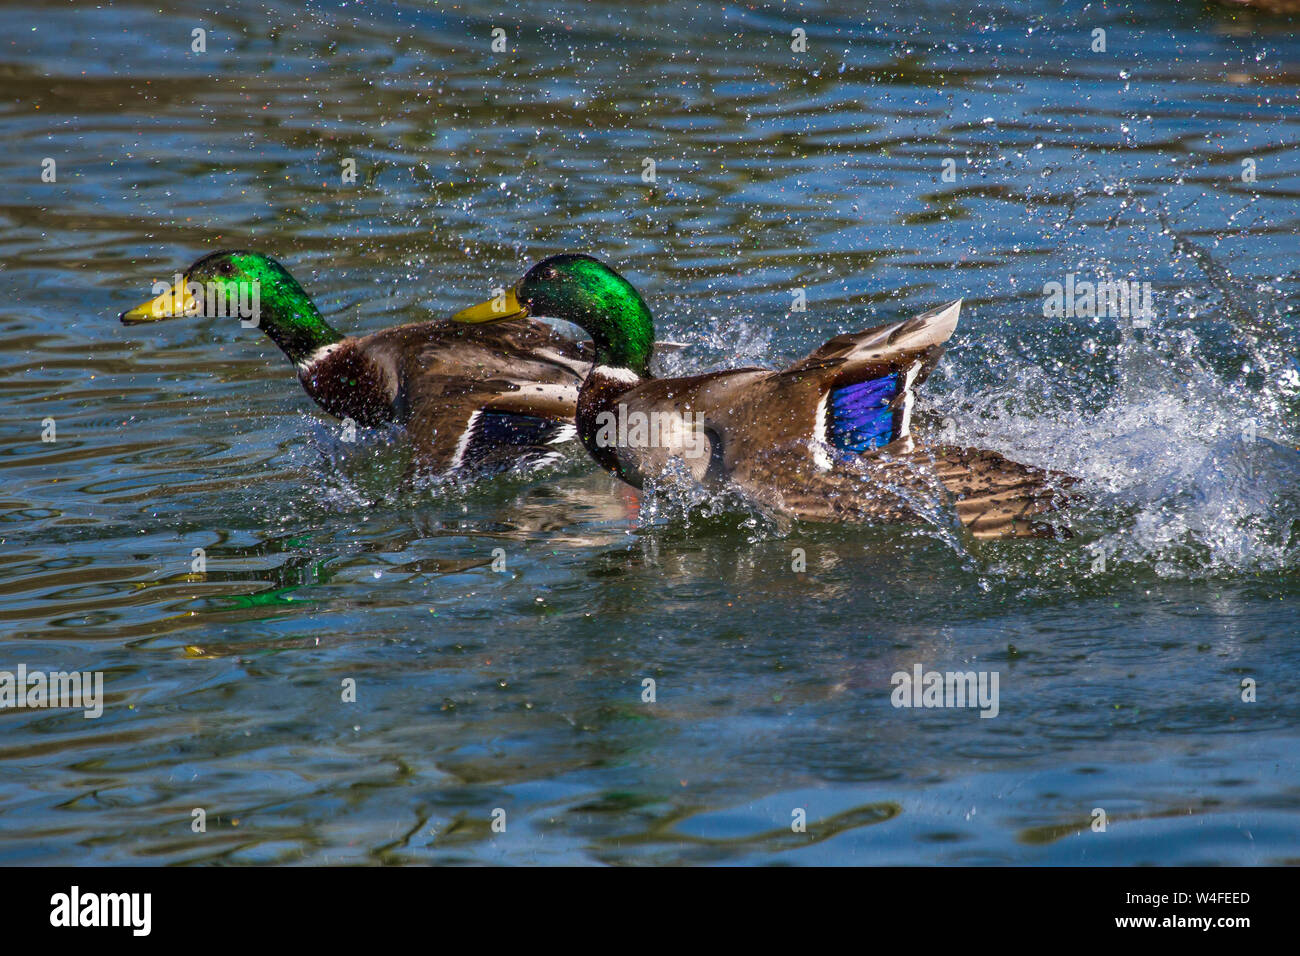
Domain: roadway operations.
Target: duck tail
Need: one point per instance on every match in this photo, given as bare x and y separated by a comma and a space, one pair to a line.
993, 496
996, 497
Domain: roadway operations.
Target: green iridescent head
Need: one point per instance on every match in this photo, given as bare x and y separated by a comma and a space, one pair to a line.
582, 290
249, 287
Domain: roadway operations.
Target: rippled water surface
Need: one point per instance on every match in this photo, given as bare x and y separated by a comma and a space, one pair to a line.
1169, 158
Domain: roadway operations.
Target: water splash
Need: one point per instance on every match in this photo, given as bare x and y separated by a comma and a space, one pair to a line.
1185, 472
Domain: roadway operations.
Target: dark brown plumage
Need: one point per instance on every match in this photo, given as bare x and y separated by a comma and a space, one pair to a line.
438, 378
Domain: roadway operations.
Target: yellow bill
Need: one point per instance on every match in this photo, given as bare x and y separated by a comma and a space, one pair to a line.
176, 302
497, 309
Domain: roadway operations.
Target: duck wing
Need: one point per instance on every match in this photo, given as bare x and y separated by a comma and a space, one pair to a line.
457, 424
853, 394
469, 390
861, 463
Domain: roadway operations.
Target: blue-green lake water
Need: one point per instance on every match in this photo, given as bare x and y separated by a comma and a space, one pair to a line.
1171, 157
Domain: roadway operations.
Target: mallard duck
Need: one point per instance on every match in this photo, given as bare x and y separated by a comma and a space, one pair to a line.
826, 439
467, 397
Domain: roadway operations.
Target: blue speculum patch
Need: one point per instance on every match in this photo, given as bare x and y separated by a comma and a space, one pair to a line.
860, 416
